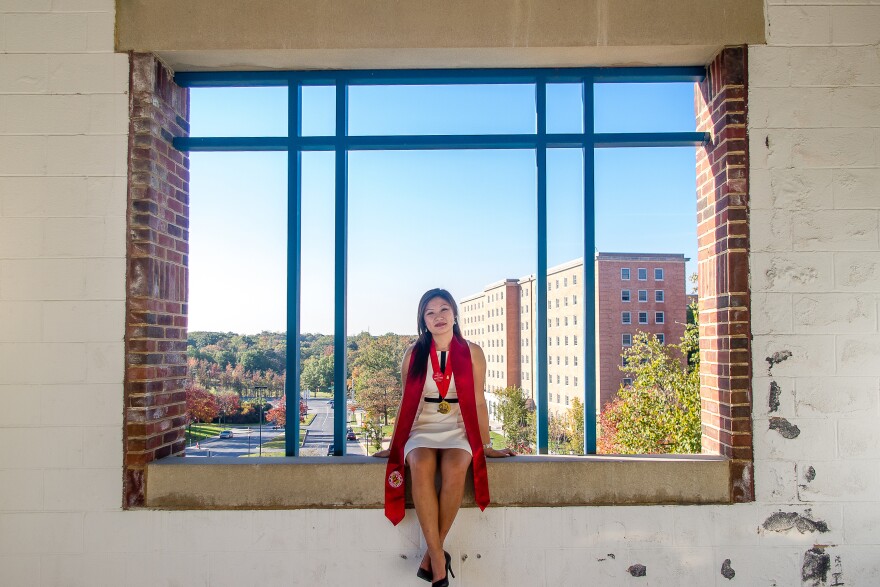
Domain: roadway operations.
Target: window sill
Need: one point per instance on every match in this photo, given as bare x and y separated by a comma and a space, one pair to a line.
355, 482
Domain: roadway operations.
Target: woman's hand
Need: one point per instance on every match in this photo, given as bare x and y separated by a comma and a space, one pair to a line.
383, 454
499, 454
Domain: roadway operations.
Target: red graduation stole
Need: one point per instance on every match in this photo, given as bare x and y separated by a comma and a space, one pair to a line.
463, 371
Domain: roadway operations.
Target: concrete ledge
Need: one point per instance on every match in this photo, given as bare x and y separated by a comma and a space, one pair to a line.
357, 482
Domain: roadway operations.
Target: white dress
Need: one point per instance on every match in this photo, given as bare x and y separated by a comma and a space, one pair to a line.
431, 429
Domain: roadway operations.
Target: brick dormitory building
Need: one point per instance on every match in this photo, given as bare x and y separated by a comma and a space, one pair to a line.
636, 292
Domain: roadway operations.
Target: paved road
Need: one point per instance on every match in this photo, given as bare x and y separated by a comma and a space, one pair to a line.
320, 435
246, 440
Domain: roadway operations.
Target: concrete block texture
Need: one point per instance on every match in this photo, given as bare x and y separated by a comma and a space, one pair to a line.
855, 25
772, 313
82, 570
43, 196
41, 533
791, 272
777, 481
857, 354
770, 230
81, 489
24, 73
22, 321
798, 439
798, 25
790, 190
834, 66
836, 230
29, 363
858, 438
842, 481
82, 5
860, 523
857, 271
45, 33
834, 313
88, 73
794, 356
831, 147
837, 397
789, 107
44, 114
856, 188
21, 490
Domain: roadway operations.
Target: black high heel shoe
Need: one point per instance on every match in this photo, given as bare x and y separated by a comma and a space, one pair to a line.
444, 582
425, 574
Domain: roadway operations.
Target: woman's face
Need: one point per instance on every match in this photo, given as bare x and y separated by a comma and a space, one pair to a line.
438, 316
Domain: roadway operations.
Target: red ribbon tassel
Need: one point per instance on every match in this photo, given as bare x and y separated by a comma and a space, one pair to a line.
462, 369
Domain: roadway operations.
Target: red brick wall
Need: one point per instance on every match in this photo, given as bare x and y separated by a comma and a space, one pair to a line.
156, 280
722, 228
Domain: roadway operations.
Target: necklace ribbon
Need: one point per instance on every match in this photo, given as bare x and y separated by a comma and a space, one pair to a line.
441, 377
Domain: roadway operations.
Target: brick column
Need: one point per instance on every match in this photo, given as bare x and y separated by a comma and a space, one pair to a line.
156, 280
723, 233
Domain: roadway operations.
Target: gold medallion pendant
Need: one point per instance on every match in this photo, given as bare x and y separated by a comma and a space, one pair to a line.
443, 407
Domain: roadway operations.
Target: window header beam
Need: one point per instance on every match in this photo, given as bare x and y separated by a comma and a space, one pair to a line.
434, 77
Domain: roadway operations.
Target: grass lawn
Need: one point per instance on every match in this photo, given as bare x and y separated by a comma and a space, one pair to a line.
198, 432
498, 441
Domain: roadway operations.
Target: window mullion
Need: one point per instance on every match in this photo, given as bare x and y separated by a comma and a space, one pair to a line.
341, 277
541, 370
589, 280
294, 274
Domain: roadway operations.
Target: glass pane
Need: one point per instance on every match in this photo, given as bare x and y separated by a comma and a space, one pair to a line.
238, 112
318, 111
317, 301
645, 220
460, 220
237, 300
565, 287
665, 107
565, 108
439, 110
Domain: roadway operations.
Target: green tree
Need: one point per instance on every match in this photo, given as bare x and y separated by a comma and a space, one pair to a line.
317, 373
517, 419
376, 374
574, 427
660, 411
373, 432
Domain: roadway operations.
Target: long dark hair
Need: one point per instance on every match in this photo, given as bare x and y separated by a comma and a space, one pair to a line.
423, 343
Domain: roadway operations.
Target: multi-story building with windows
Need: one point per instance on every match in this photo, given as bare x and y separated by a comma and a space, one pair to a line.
635, 293
565, 339
491, 319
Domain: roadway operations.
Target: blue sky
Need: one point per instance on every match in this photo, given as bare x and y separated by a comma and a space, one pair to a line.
420, 219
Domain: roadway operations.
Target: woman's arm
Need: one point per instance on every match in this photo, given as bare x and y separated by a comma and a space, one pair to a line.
404, 370
478, 360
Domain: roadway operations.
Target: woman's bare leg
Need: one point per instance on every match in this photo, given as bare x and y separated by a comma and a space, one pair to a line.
454, 463
423, 470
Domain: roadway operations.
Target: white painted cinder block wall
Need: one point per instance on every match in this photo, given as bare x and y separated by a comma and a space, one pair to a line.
815, 267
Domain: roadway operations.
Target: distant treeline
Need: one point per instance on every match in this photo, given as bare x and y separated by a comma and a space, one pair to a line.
226, 360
